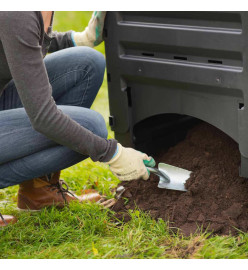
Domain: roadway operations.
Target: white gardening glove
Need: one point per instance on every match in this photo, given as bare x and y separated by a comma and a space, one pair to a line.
92, 35
128, 164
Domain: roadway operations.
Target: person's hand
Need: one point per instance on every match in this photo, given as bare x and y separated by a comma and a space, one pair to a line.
92, 35
129, 164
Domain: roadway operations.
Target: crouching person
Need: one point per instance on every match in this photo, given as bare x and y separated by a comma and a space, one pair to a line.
46, 123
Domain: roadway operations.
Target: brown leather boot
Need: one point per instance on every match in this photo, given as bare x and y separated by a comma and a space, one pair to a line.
43, 192
6, 220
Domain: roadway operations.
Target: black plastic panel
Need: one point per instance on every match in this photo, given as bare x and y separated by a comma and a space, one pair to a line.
185, 63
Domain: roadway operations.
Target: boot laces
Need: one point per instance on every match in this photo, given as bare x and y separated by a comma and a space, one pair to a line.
5, 222
61, 189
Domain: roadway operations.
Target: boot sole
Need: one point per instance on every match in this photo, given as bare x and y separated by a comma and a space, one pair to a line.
38, 210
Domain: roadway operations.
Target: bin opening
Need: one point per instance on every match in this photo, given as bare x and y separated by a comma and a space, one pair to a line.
161, 131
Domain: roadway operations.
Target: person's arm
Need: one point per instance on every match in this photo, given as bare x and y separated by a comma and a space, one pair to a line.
19, 33
91, 36
93, 33
60, 41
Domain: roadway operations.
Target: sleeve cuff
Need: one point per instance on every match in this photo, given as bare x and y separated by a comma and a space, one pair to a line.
112, 147
117, 149
72, 39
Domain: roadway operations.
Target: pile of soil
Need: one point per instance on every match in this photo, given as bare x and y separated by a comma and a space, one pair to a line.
217, 198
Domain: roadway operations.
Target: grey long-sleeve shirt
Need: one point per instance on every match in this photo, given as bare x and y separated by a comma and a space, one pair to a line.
23, 44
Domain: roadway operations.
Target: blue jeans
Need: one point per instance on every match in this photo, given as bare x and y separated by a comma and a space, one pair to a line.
76, 75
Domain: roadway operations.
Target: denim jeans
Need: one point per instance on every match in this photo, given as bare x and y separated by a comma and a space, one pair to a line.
76, 75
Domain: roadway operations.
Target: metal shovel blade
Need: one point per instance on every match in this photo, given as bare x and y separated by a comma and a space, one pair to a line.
178, 177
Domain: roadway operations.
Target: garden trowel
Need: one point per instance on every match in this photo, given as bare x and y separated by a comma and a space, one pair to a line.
171, 177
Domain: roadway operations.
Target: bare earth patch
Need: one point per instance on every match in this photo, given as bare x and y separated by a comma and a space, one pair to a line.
216, 199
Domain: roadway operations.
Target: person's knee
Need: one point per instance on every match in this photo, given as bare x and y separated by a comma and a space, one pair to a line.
100, 128
87, 118
100, 63
95, 61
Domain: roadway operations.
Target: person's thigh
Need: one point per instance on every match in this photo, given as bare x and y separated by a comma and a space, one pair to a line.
38, 164
18, 139
75, 74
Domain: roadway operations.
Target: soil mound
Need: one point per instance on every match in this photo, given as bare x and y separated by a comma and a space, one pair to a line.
217, 198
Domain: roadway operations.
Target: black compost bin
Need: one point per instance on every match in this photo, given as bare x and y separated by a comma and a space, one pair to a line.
164, 68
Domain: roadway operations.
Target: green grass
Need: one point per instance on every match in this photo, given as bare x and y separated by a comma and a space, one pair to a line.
88, 230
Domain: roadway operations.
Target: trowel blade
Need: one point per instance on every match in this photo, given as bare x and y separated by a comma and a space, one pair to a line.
177, 176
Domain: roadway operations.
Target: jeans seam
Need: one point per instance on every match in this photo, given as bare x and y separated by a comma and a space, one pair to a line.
66, 73
82, 100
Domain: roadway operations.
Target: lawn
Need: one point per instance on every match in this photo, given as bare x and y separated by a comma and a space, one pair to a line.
89, 231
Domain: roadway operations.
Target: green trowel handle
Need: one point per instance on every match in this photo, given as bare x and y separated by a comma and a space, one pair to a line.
163, 176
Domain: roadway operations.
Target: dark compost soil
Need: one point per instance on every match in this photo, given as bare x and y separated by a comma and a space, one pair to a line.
217, 198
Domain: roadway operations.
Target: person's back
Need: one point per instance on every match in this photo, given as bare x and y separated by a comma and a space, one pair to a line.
16, 27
